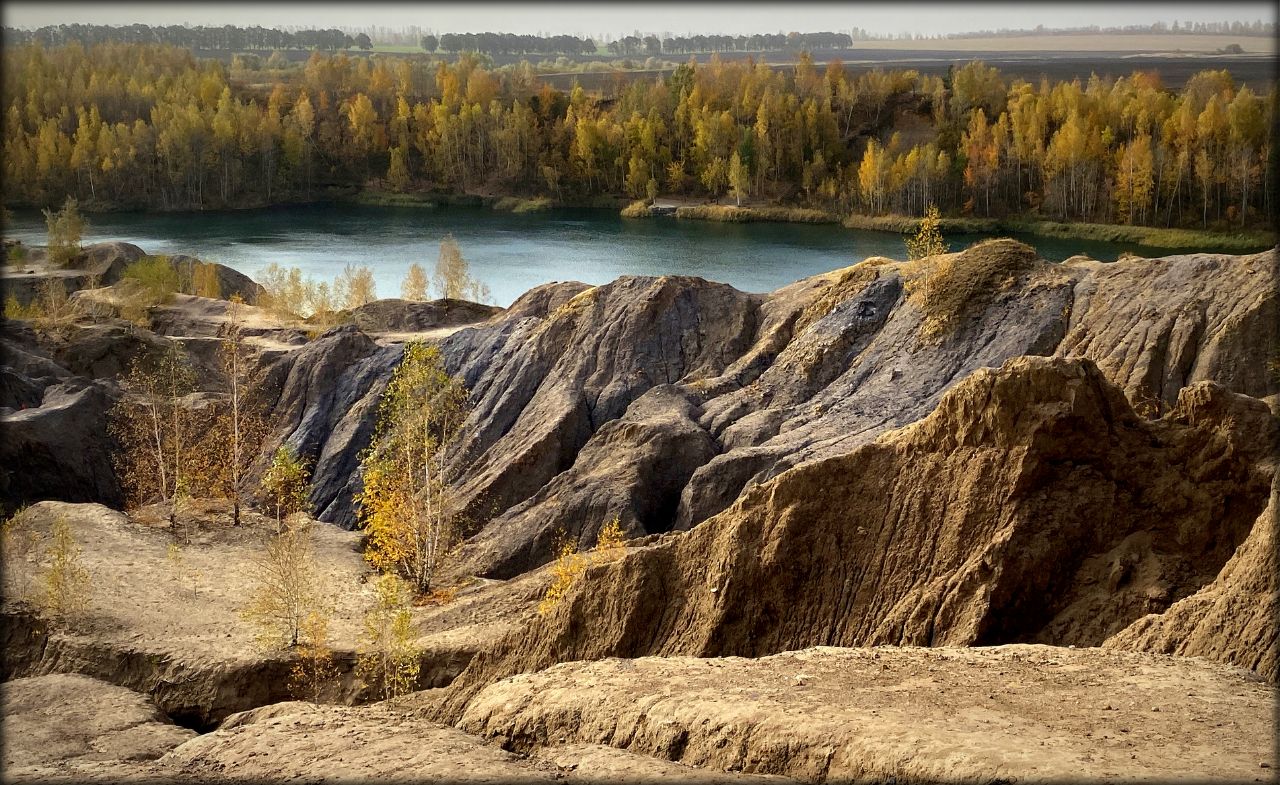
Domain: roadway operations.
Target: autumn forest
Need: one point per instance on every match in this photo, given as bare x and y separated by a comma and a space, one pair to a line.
127, 126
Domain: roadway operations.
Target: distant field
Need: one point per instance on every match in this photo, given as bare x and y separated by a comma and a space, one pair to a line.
1084, 43
1059, 57
397, 49
1174, 70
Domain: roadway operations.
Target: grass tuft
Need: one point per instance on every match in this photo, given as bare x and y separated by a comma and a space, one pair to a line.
731, 214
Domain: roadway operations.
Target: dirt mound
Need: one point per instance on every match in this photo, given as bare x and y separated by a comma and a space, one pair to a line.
100, 263
954, 287
230, 283
1032, 505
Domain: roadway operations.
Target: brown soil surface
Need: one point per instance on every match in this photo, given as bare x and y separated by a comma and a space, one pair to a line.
66, 718
175, 632
1019, 712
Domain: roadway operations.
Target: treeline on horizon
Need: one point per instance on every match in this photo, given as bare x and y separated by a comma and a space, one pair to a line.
153, 127
509, 44
232, 38
227, 37
767, 42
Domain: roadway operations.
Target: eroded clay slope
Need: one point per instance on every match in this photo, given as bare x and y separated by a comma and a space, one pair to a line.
1233, 619
543, 386
824, 366
1155, 326
1031, 505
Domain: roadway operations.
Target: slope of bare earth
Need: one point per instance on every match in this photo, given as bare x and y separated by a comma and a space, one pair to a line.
168, 629
1232, 619
66, 718
1031, 505
811, 371
1009, 713
1019, 712
164, 611
1158, 325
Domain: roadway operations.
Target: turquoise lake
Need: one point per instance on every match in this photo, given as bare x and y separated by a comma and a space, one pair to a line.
513, 253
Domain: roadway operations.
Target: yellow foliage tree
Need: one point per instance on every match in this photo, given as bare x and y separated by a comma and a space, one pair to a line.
154, 430
355, 287
287, 591
568, 565
66, 580
389, 659
225, 455
611, 538
927, 240
406, 506
204, 281
287, 484
314, 669
414, 287
739, 178
453, 275
65, 228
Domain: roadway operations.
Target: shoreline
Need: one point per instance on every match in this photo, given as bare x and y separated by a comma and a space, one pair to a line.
1244, 240
1174, 239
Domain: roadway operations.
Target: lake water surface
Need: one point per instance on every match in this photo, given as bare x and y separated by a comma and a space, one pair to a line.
513, 253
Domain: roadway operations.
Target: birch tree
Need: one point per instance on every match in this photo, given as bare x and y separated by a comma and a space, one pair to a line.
407, 507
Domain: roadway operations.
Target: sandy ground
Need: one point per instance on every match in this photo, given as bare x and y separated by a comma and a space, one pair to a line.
65, 718
142, 598
192, 604
1017, 712
1009, 712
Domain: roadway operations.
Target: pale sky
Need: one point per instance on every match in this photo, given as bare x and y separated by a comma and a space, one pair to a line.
622, 18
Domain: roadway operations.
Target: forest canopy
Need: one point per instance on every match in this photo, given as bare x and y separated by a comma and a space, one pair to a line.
152, 126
